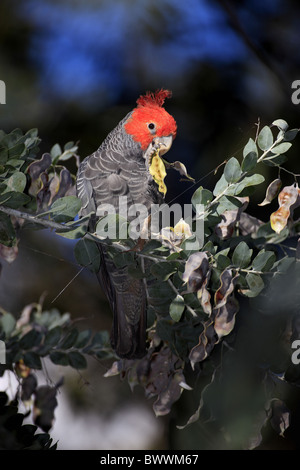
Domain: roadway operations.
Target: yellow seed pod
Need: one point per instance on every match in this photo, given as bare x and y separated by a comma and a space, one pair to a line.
158, 172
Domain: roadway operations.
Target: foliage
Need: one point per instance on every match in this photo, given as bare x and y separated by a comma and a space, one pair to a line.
218, 325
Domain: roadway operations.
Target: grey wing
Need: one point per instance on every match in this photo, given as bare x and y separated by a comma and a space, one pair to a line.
84, 190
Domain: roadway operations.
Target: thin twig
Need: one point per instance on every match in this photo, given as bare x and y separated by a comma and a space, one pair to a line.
32, 218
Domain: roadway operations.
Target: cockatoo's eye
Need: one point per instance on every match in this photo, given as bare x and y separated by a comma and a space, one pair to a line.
152, 127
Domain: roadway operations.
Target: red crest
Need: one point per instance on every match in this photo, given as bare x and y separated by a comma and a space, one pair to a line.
154, 99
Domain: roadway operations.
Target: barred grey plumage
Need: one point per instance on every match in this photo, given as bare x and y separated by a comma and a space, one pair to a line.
120, 167
116, 169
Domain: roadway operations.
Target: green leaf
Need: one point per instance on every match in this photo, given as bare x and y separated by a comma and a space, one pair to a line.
59, 358
291, 134
16, 151
31, 339
242, 255
83, 338
53, 336
16, 182
136, 272
69, 151
163, 270
69, 340
201, 196
176, 308
284, 264
123, 259
73, 234
66, 207
264, 261
7, 231
248, 181
7, 324
150, 246
255, 283
14, 199
87, 254
100, 340
77, 360
32, 360
249, 161
222, 262
250, 147
281, 124
232, 170
228, 203
276, 160
55, 152
15, 163
281, 148
221, 185
3, 156
265, 138
160, 293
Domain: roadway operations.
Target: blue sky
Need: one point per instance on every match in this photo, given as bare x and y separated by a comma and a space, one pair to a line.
94, 52
79, 51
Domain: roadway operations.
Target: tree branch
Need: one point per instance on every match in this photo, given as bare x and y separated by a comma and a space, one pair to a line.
32, 218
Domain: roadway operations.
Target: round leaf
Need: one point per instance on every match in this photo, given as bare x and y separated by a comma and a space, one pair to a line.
249, 161
242, 255
201, 196
177, 308
232, 170
87, 254
77, 360
265, 138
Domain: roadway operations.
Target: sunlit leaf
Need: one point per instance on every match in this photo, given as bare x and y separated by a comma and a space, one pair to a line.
250, 147
265, 138
221, 186
281, 124
177, 307
281, 148
264, 261
247, 181
201, 196
16, 182
232, 170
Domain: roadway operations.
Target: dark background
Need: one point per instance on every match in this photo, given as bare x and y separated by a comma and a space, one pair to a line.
73, 69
